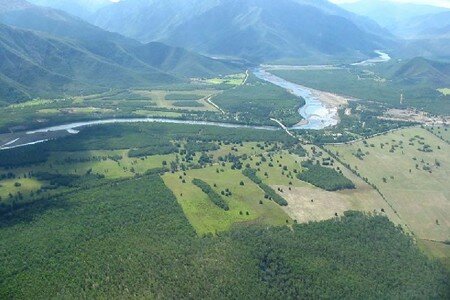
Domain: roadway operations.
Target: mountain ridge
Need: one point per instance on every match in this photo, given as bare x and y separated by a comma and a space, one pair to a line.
258, 30
77, 55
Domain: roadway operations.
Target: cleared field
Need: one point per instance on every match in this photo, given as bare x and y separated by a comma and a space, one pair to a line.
153, 113
437, 250
411, 168
279, 169
166, 99
309, 203
206, 217
441, 131
112, 164
75, 110
13, 186
235, 79
445, 91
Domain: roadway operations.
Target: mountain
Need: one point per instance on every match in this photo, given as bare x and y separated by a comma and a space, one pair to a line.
33, 64
394, 16
47, 52
436, 25
79, 8
257, 30
424, 71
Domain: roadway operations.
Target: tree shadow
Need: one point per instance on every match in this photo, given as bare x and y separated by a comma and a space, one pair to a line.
29, 211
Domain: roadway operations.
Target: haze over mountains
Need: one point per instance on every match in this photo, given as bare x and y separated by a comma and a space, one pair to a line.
406, 20
257, 30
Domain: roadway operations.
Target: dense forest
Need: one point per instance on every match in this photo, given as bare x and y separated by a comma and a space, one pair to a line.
134, 241
325, 178
256, 102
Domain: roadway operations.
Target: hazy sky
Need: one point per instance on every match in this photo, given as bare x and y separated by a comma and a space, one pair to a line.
443, 3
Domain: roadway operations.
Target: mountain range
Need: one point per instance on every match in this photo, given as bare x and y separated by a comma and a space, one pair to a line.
421, 71
47, 52
257, 30
406, 20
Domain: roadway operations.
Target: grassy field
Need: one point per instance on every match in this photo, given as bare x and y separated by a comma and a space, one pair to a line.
441, 131
235, 79
309, 203
437, 250
11, 186
167, 99
411, 170
445, 91
206, 217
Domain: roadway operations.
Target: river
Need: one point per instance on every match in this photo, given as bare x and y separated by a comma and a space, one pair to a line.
315, 113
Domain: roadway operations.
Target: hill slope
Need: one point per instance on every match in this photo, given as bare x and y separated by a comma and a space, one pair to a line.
423, 71
75, 55
258, 30
33, 64
390, 14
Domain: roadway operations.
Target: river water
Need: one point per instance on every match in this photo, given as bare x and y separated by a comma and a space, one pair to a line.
315, 113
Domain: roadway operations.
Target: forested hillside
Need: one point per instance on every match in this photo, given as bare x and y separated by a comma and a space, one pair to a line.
49, 53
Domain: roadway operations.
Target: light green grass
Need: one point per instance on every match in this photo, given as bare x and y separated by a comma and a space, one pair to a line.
441, 131
152, 113
35, 102
445, 91
235, 79
75, 110
27, 185
276, 174
437, 250
206, 217
419, 197
159, 98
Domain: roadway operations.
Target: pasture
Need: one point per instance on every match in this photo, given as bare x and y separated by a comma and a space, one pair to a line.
411, 168
247, 203
445, 91
441, 131
309, 203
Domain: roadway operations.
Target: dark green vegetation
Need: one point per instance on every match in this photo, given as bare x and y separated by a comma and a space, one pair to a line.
257, 101
143, 139
241, 28
213, 196
187, 104
121, 240
81, 58
270, 193
22, 157
163, 147
325, 178
417, 79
